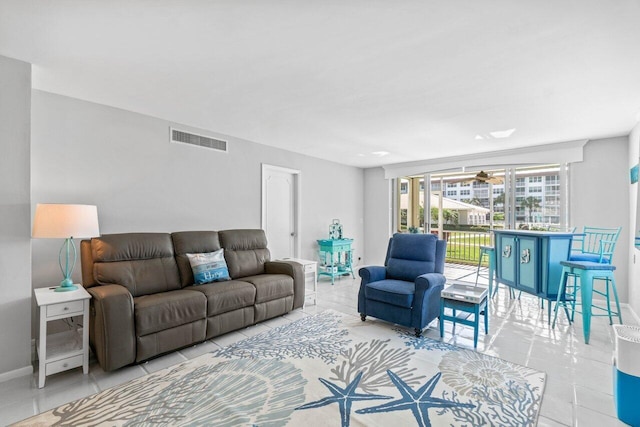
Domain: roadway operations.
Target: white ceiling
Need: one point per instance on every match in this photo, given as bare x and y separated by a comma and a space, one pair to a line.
342, 80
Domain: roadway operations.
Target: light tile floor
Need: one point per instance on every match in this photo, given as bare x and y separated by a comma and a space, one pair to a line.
579, 376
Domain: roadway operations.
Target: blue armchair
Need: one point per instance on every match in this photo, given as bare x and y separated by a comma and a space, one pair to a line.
407, 289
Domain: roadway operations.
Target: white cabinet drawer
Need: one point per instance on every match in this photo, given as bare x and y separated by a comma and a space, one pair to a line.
72, 307
309, 268
63, 364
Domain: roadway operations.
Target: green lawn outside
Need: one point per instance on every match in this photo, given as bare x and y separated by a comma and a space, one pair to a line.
464, 247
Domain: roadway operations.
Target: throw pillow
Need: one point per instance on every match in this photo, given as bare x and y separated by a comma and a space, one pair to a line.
209, 267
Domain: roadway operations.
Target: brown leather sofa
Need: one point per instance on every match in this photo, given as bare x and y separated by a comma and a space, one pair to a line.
145, 303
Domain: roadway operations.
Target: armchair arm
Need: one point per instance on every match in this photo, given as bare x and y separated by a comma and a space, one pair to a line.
427, 298
296, 271
368, 275
372, 274
112, 330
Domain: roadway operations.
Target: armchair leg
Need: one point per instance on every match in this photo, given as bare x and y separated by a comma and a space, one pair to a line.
418, 332
363, 316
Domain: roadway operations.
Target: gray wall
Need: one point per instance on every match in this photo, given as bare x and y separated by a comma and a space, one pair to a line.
599, 197
599, 188
15, 223
378, 212
124, 163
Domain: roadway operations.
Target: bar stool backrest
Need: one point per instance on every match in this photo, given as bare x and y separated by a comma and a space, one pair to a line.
596, 244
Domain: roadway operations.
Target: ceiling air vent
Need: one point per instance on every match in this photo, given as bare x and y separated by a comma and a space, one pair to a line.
183, 137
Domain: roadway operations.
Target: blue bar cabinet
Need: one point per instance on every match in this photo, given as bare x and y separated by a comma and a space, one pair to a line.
529, 261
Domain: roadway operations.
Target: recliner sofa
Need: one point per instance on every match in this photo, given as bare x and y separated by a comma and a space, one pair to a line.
144, 301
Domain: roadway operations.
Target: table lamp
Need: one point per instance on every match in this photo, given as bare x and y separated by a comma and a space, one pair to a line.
59, 221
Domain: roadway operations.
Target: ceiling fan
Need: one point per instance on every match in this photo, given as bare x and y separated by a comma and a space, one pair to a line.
482, 177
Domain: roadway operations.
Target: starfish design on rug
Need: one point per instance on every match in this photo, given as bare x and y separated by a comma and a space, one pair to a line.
344, 397
418, 401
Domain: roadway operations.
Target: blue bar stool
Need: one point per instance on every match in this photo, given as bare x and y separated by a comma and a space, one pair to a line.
490, 252
584, 273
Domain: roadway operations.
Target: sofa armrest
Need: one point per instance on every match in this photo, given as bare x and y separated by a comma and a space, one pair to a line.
296, 271
372, 274
112, 326
427, 298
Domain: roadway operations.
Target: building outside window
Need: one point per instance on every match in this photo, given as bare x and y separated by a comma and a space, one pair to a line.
537, 195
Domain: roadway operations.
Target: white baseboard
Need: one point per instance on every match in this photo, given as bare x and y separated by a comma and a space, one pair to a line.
16, 373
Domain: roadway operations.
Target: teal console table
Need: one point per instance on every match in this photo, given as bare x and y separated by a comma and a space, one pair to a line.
335, 258
529, 261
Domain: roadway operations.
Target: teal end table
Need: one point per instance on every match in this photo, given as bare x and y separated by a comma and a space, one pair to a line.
336, 258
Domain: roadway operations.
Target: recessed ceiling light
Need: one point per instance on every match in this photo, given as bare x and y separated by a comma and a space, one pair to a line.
502, 133
380, 153
496, 134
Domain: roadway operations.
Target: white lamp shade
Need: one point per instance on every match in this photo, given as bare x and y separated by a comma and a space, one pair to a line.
58, 221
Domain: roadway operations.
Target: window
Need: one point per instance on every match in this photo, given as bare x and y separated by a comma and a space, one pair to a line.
410, 203
535, 202
538, 202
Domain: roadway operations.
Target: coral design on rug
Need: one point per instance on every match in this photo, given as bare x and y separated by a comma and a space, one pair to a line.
326, 369
372, 360
312, 336
423, 343
511, 393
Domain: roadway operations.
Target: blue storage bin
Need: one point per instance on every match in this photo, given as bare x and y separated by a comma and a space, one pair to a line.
626, 373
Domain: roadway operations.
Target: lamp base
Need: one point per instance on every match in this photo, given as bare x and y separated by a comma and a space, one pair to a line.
65, 286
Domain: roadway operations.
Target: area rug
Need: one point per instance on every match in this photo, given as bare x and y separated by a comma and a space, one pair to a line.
326, 369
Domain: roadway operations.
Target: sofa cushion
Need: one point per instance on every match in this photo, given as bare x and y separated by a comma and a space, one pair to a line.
270, 287
209, 267
223, 297
165, 310
144, 263
394, 292
192, 242
245, 251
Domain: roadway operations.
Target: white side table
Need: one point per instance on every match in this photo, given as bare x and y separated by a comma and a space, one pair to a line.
310, 277
64, 350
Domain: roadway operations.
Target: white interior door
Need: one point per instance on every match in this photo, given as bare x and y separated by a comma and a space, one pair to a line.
280, 220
